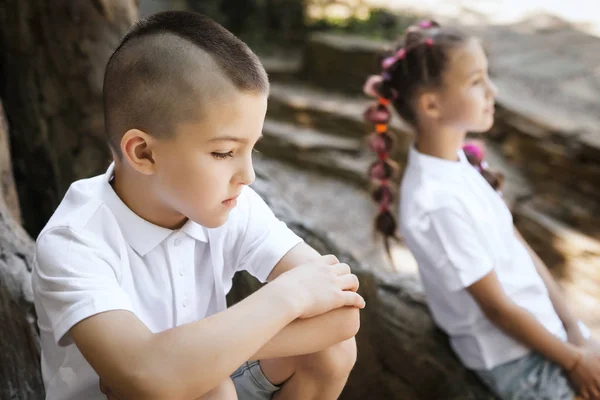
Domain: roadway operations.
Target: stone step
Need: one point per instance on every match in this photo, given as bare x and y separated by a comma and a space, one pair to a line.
282, 67
341, 61
314, 107
334, 113
346, 158
342, 209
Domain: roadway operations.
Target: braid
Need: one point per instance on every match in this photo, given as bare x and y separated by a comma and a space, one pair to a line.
382, 171
475, 154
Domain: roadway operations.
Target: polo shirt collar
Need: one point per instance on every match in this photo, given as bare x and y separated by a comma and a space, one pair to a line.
439, 167
141, 235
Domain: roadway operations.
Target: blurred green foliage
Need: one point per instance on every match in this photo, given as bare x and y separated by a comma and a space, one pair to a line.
378, 24
273, 25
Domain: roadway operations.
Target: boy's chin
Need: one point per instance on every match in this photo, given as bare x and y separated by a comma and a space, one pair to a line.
216, 221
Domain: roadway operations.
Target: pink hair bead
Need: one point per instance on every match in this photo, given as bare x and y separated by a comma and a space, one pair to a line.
388, 62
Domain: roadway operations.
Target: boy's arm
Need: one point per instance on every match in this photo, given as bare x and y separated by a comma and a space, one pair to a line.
299, 254
305, 336
188, 361
561, 307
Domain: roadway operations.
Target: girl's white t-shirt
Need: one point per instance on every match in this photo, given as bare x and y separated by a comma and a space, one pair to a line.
459, 229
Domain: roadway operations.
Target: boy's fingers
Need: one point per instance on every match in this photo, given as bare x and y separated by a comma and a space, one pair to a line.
348, 282
353, 299
342, 269
330, 259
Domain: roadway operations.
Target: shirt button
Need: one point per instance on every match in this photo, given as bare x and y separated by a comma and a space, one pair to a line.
181, 271
185, 302
177, 242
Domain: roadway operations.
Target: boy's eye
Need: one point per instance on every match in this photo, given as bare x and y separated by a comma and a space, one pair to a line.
477, 81
222, 156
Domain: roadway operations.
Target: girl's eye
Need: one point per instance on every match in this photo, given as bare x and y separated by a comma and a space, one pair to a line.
477, 82
222, 156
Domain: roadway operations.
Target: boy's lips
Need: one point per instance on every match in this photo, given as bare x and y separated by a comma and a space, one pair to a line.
231, 202
232, 198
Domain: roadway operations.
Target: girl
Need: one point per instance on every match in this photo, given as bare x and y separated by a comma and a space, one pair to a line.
504, 314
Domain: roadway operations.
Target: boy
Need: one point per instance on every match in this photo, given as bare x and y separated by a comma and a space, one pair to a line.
132, 269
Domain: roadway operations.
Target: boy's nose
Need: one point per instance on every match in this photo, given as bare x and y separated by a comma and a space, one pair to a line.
247, 174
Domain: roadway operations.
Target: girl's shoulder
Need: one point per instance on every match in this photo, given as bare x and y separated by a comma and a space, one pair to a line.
429, 195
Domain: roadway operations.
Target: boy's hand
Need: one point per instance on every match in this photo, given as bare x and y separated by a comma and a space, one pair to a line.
592, 345
586, 375
320, 286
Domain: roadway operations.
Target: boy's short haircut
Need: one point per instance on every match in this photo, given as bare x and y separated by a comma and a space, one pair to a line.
169, 68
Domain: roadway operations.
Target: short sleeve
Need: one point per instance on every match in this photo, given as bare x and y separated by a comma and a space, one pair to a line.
455, 249
74, 278
266, 239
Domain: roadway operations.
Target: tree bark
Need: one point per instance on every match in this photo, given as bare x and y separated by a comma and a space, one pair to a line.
52, 60
8, 190
20, 376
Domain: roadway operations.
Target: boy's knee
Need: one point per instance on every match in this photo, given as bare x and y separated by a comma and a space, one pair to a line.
351, 324
335, 362
225, 391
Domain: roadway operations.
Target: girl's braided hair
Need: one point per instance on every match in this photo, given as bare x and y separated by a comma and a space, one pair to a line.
416, 64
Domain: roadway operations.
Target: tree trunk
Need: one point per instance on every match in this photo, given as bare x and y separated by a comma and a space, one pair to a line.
20, 376
53, 55
8, 190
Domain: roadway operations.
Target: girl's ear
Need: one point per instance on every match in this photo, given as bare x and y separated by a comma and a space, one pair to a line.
428, 105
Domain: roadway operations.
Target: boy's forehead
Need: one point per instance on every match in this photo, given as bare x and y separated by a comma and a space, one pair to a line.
233, 114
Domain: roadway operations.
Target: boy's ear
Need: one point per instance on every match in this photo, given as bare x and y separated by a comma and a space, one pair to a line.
136, 147
428, 105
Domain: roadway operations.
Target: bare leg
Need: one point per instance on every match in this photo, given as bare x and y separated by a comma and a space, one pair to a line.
317, 376
225, 391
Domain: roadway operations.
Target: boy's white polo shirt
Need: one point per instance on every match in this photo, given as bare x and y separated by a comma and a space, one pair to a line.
96, 255
459, 229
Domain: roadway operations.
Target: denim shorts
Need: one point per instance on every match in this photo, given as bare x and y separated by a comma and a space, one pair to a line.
251, 384
528, 378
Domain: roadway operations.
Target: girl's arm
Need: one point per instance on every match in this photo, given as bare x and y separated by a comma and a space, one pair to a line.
581, 365
520, 323
561, 307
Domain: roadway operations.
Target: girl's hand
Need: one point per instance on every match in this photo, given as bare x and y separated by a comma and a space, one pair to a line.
586, 375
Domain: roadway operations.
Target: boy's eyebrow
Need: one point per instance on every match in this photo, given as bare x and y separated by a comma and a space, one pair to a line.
228, 138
